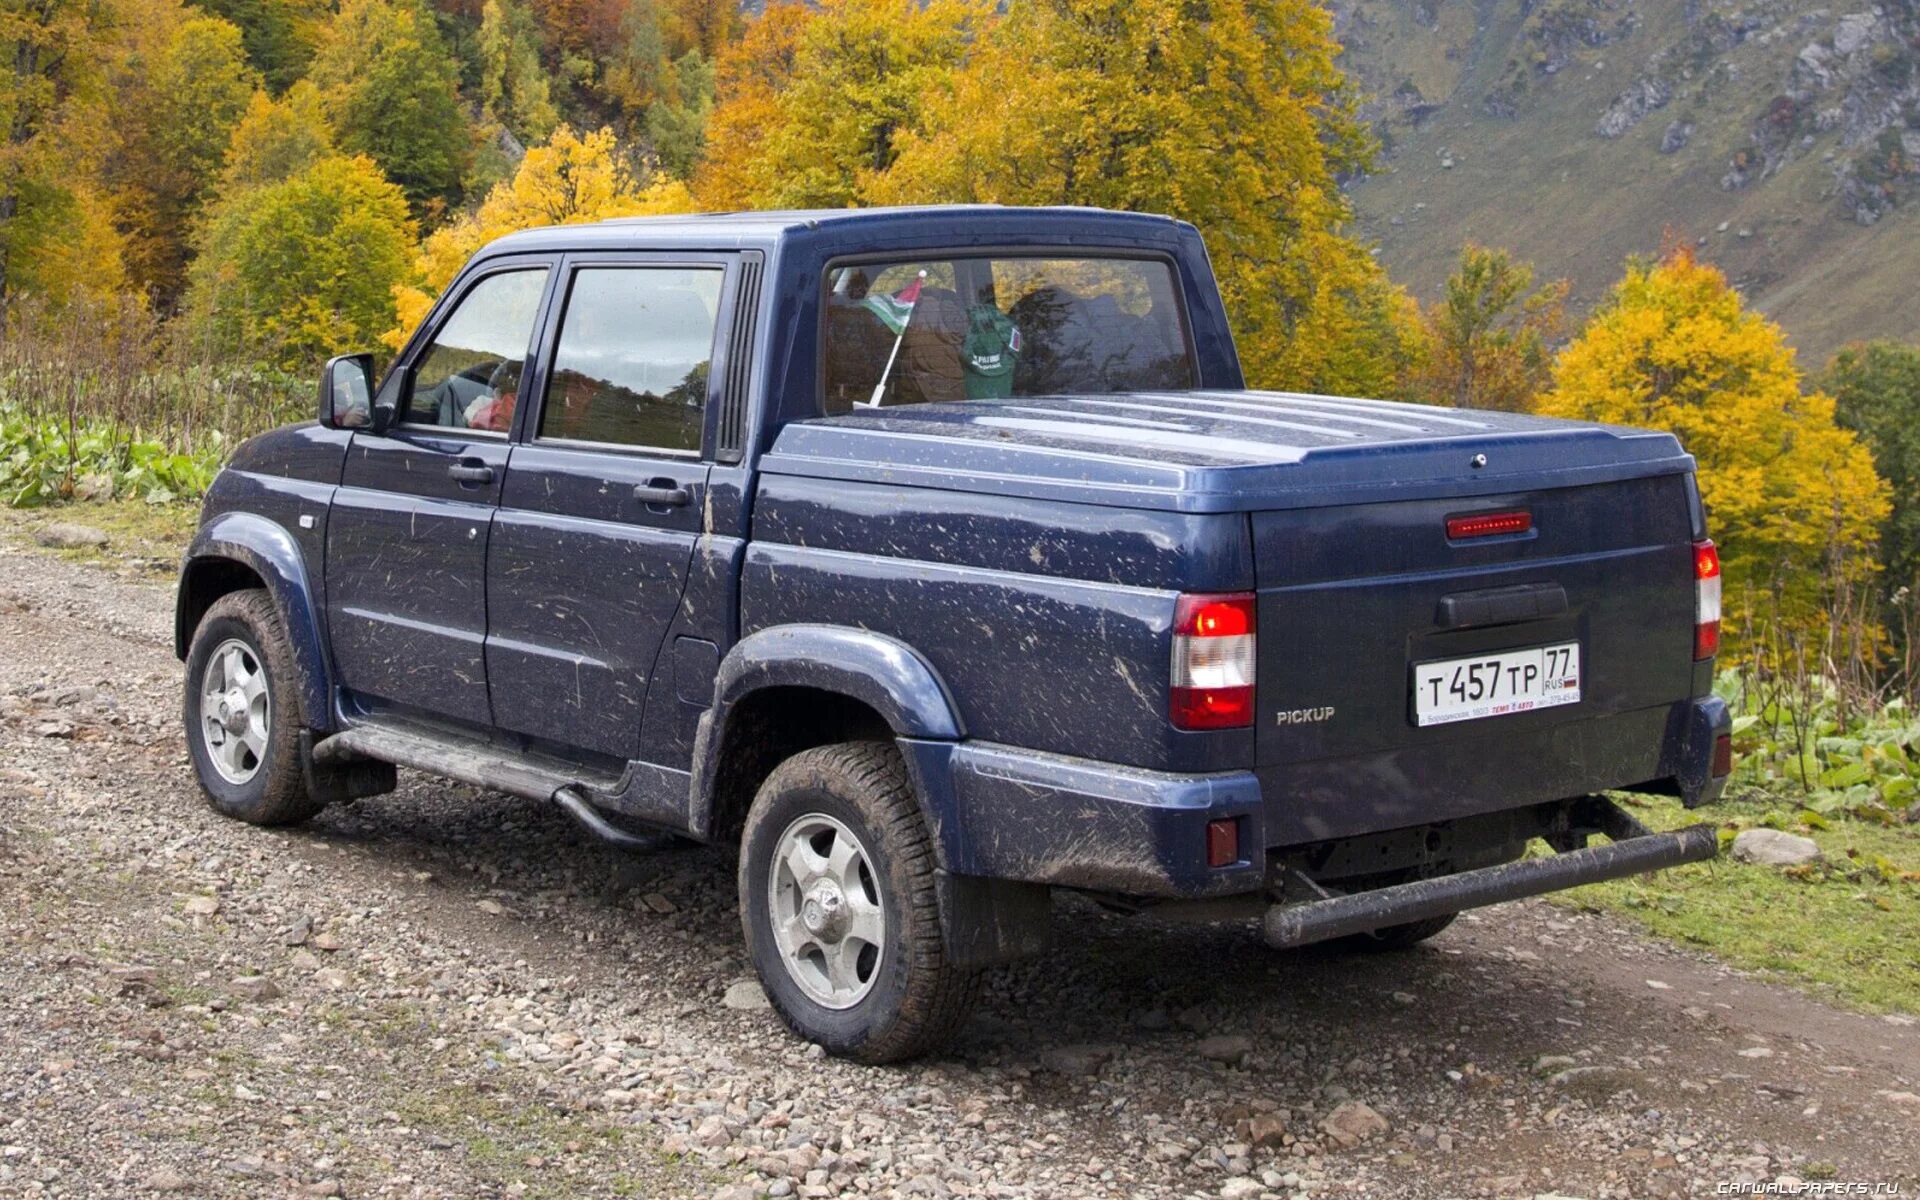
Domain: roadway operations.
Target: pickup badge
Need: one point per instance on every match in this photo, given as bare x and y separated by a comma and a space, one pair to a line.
1304, 716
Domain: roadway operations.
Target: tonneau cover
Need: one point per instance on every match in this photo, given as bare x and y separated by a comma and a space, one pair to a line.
1217, 451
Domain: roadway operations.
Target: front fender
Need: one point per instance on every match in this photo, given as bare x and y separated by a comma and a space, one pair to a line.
270, 552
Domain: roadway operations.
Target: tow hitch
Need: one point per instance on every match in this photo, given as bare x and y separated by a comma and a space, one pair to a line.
1632, 848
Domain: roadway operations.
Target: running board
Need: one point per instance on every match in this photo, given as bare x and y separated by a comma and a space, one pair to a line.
489, 767
1633, 850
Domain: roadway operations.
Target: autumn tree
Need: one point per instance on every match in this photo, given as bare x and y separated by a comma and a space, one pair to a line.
513, 84
57, 236
705, 26
292, 271
277, 139
571, 180
1876, 391
392, 94
279, 35
178, 112
1489, 340
812, 103
1791, 497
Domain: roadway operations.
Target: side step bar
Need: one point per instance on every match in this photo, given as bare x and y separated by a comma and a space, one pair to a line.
1634, 849
488, 767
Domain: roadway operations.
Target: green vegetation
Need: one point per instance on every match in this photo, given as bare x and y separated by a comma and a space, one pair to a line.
1848, 926
42, 462
1847, 776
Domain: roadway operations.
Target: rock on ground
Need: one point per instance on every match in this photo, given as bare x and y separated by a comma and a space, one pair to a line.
1772, 848
1353, 1123
67, 535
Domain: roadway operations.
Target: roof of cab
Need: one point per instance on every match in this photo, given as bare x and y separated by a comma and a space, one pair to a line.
956, 224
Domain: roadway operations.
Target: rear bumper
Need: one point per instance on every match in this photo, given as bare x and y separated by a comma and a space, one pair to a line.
1700, 724
1013, 814
1632, 850
1001, 812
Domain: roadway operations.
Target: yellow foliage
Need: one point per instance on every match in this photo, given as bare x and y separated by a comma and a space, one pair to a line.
1791, 498
815, 101
1229, 113
571, 180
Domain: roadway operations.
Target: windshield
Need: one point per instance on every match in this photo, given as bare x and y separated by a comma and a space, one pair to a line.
917, 331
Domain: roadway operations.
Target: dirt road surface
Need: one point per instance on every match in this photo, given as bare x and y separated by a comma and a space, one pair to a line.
450, 993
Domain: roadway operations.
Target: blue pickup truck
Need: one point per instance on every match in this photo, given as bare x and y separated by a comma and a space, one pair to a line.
939, 559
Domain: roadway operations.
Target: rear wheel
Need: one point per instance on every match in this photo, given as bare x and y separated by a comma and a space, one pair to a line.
837, 902
243, 714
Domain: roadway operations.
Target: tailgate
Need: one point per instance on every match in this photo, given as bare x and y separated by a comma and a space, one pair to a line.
1353, 598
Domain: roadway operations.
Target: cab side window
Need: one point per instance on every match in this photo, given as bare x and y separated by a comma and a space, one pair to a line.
631, 364
469, 375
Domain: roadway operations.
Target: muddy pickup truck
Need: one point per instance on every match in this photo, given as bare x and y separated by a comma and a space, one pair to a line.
939, 560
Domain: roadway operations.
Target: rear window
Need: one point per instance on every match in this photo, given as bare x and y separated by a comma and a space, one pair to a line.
918, 331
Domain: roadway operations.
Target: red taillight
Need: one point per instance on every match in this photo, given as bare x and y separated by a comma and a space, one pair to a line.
1213, 651
1706, 600
1223, 842
1488, 524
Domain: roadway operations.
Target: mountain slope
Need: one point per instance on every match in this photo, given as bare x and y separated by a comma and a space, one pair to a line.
1782, 137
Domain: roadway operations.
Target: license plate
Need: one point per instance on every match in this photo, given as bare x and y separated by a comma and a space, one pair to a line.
1496, 684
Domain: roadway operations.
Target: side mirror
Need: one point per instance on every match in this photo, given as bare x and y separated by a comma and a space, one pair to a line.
346, 392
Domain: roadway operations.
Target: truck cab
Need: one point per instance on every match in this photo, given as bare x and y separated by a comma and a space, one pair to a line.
940, 559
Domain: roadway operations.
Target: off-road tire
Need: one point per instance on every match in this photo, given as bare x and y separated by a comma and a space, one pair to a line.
276, 794
918, 999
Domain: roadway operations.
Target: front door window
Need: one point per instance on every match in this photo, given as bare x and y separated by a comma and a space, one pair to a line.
469, 376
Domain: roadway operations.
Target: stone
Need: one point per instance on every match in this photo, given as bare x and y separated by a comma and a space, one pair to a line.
1772, 848
1267, 1129
69, 535
331, 978
1593, 1083
1230, 1048
166, 1179
736, 1191
201, 906
1854, 31
1353, 1123
254, 987
712, 1133
326, 1187
746, 995
1241, 1189
327, 942
1077, 1059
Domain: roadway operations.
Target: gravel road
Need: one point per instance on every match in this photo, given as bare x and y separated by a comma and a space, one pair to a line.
447, 992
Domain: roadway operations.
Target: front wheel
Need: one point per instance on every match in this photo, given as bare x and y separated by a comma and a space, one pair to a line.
838, 906
243, 716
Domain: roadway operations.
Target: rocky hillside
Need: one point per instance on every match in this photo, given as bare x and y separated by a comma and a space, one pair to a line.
1782, 137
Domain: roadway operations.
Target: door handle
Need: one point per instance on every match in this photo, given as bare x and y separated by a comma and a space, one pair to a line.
470, 471
662, 493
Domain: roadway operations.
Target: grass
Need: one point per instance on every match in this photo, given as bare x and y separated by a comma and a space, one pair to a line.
1848, 928
153, 534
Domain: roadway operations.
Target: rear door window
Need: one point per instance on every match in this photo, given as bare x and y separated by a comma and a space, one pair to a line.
632, 362
977, 328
